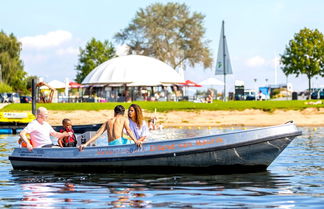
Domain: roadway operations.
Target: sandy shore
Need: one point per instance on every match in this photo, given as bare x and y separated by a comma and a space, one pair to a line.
307, 117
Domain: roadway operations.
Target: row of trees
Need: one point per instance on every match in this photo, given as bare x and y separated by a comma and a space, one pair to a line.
171, 33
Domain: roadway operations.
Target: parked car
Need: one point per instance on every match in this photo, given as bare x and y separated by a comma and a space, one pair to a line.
2, 97
315, 95
9, 98
321, 94
250, 97
13, 97
25, 99
239, 97
249, 94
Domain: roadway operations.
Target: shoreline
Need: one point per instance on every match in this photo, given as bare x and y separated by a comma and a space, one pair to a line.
311, 117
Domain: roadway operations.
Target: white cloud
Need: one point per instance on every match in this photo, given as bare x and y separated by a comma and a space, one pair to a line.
51, 39
67, 51
256, 61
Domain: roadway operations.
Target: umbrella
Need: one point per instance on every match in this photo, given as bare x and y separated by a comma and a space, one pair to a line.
212, 82
189, 83
74, 85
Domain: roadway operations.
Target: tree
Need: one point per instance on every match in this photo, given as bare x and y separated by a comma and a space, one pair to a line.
4, 88
305, 55
12, 70
169, 33
95, 53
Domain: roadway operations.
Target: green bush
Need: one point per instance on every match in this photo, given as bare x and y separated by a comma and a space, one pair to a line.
5, 88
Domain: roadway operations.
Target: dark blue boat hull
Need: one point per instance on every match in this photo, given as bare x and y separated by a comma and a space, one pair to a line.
249, 150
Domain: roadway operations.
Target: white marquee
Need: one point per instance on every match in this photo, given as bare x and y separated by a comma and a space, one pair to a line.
133, 70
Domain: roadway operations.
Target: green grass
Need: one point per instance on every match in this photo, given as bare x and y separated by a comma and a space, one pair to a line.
169, 106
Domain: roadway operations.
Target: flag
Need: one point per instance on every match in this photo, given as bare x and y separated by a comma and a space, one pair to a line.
220, 57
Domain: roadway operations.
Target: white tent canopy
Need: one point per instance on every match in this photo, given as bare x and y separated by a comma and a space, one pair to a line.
211, 82
133, 70
54, 84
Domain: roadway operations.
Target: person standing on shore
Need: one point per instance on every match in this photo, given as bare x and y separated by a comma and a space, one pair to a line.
136, 122
114, 127
40, 131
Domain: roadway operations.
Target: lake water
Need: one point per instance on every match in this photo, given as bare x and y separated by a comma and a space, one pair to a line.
294, 180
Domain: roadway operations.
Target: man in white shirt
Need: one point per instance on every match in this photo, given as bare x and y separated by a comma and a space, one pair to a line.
40, 131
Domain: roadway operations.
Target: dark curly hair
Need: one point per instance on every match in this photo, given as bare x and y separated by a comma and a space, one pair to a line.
119, 109
138, 114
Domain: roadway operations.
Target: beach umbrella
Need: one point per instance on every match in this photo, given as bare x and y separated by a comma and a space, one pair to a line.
189, 83
73, 84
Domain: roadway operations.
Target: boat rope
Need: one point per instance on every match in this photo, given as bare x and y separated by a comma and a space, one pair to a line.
237, 154
273, 145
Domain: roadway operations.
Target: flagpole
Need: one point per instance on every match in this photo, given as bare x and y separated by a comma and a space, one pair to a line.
223, 66
224, 60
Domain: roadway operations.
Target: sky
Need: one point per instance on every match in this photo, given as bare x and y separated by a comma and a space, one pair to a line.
257, 32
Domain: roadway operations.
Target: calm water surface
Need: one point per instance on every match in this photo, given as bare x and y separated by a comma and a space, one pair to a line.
294, 180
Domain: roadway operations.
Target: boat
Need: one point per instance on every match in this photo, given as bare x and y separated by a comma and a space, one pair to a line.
247, 150
14, 122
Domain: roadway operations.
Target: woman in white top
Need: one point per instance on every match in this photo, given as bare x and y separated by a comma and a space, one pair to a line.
136, 122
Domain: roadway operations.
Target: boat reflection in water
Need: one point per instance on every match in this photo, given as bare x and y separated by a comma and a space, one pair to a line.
49, 190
